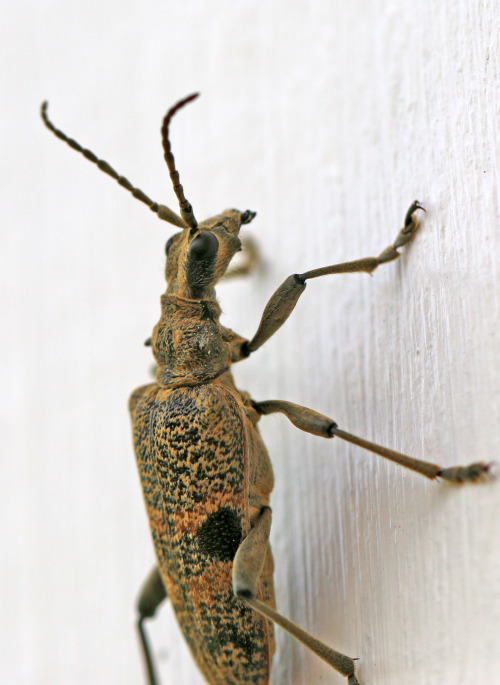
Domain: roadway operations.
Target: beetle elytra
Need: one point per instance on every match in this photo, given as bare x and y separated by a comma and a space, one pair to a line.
205, 472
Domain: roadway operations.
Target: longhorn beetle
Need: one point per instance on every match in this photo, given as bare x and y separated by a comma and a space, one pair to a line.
205, 472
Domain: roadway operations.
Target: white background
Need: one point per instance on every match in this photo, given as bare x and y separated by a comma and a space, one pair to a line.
328, 119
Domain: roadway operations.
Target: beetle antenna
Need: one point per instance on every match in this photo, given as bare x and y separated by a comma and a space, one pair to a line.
163, 212
186, 207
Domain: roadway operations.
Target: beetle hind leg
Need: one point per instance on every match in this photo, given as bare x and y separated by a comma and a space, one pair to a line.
151, 596
247, 567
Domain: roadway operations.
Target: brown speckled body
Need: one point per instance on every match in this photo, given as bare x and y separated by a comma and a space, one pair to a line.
205, 476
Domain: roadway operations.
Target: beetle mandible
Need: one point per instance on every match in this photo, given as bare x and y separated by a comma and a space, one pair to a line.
205, 472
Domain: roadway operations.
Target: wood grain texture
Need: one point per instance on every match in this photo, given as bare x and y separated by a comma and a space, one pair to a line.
328, 119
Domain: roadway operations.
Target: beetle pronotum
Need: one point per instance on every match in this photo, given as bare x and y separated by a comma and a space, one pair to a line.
205, 473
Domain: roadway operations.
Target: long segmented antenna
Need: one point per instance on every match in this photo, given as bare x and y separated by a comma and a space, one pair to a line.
161, 211
186, 208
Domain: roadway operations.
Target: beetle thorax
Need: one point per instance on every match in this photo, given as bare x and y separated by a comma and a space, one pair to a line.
188, 342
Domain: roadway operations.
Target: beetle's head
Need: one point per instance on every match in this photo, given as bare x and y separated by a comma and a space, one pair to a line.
199, 254
197, 258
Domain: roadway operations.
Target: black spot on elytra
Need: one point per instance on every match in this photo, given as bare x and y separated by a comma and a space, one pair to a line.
219, 536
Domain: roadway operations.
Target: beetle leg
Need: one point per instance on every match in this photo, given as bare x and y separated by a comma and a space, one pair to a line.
249, 263
247, 567
151, 596
283, 301
311, 421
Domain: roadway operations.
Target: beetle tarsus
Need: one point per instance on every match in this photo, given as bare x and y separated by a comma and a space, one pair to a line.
196, 444
464, 474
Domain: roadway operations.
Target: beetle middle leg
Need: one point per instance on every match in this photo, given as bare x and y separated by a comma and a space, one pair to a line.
247, 567
152, 594
311, 421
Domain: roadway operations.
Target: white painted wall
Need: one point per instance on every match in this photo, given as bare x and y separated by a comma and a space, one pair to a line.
327, 118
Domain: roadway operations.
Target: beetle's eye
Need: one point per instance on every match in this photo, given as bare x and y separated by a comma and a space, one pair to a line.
169, 244
204, 246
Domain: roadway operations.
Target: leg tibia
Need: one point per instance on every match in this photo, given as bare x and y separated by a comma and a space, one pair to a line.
151, 596
311, 421
340, 662
247, 567
283, 301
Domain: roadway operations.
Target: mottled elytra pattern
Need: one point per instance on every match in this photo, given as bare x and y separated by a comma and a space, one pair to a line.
191, 446
205, 473
220, 535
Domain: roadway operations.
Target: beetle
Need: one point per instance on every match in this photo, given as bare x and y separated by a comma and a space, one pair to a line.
205, 473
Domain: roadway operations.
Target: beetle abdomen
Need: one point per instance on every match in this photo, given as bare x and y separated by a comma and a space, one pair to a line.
191, 448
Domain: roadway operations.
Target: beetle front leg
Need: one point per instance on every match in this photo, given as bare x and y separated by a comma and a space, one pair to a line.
247, 567
151, 596
251, 259
283, 301
311, 421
